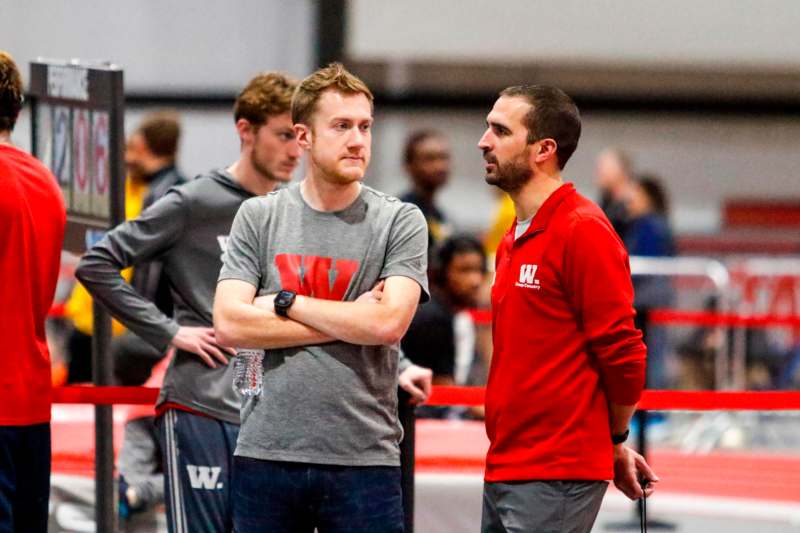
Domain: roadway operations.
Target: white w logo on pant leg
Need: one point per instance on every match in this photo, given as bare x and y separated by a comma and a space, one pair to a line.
527, 274
204, 477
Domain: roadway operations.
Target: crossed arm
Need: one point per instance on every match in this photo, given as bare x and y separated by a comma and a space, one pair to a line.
381, 316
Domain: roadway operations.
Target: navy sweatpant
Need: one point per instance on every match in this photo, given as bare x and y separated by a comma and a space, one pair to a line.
24, 478
198, 460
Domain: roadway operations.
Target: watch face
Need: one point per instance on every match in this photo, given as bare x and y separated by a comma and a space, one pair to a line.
284, 298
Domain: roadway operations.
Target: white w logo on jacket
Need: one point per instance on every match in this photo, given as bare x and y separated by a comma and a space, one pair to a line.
527, 274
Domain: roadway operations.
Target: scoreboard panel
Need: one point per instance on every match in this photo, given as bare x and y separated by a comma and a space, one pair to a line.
78, 132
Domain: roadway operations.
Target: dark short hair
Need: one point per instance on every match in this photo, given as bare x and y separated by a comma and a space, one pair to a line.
653, 188
457, 245
417, 137
553, 115
11, 95
161, 132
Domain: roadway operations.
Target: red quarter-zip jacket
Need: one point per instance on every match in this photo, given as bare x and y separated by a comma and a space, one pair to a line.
564, 345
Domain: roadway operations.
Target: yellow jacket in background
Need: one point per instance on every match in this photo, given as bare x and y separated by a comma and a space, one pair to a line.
503, 219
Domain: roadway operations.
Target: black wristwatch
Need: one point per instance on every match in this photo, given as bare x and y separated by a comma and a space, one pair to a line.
622, 437
283, 301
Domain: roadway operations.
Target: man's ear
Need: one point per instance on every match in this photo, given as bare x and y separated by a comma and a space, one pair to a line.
546, 150
246, 131
304, 136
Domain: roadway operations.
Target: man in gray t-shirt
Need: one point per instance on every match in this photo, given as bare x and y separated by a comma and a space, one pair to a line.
319, 448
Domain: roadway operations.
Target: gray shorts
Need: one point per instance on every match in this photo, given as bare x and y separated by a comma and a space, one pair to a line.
541, 506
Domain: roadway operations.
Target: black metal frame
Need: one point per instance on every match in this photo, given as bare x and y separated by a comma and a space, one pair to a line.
105, 93
331, 29
408, 419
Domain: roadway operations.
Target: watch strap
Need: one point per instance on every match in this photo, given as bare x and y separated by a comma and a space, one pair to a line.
622, 437
283, 301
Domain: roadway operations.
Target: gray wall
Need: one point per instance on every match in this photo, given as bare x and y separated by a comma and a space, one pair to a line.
732, 33
179, 46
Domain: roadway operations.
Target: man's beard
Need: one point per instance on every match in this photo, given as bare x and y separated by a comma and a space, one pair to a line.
332, 173
512, 175
260, 168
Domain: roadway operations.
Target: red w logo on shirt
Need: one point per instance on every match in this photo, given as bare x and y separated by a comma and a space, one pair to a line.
318, 277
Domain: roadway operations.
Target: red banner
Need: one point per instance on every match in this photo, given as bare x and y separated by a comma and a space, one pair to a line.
661, 400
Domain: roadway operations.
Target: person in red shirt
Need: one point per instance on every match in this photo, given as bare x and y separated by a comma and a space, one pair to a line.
32, 219
568, 364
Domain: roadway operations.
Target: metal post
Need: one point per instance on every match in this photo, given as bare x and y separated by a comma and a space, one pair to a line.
331, 21
105, 495
405, 411
725, 348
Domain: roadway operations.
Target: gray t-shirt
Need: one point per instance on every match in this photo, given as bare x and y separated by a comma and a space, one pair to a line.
333, 403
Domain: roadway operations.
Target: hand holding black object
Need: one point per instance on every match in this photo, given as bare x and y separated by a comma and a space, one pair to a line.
629, 468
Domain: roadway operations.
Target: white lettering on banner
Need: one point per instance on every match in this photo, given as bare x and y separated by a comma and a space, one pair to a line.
204, 477
68, 82
527, 277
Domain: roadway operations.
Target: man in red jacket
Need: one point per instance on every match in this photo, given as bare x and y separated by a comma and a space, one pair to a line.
32, 219
568, 364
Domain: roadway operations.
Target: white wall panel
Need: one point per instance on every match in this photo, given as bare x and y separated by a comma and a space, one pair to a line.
710, 33
178, 46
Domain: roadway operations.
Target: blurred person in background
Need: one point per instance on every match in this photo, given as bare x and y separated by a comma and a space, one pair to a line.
427, 160
140, 464
568, 365
789, 372
614, 170
442, 335
647, 206
32, 221
502, 219
648, 234
187, 231
150, 158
